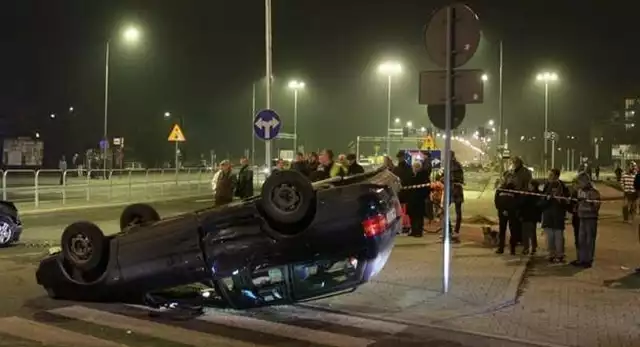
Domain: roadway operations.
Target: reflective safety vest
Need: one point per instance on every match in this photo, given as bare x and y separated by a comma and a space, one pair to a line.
336, 170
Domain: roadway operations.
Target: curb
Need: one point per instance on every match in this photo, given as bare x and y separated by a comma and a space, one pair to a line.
470, 337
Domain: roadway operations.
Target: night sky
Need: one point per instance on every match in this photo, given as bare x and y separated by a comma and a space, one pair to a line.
199, 59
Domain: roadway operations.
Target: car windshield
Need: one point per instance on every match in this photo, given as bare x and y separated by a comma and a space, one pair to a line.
316, 277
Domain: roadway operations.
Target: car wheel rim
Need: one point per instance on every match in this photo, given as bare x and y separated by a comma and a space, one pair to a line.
81, 248
286, 197
5, 232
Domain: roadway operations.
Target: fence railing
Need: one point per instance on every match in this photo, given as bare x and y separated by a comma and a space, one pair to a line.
55, 188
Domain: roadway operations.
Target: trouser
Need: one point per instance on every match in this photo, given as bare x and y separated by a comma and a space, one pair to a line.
458, 210
529, 238
513, 223
630, 206
417, 222
555, 242
575, 222
428, 209
587, 240
62, 178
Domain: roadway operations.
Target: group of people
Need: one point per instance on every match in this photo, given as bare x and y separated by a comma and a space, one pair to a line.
521, 205
424, 199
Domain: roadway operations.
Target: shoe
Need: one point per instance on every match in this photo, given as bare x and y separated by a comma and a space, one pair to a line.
533, 252
525, 252
512, 251
551, 259
500, 251
576, 263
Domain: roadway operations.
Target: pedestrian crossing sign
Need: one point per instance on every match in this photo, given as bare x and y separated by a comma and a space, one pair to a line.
176, 134
428, 144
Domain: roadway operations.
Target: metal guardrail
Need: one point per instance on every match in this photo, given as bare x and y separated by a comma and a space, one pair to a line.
55, 188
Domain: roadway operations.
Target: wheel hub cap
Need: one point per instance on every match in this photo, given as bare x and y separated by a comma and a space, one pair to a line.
81, 247
286, 197
5, 232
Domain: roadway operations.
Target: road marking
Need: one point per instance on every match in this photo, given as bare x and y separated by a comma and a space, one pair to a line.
340, 319
144, 327
284, 330
204, 200
50, 335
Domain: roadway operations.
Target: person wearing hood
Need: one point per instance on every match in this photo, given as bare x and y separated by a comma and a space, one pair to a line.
554, 210
588, 209
405, 173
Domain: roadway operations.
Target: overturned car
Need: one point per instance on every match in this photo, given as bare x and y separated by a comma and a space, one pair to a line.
297, 241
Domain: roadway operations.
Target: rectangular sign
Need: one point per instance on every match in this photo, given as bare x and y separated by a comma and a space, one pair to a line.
468, 87
436, 157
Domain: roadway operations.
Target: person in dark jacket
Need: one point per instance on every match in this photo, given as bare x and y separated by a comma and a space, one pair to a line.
244, 183
506, 204
223, 185
575, 220
328, 168
554, 210
457, 193
353, 168
588, 209
313, 163
300, 165
530, 216
405, 173
417, 200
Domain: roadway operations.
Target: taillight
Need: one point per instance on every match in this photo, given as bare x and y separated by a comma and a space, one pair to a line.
375, 225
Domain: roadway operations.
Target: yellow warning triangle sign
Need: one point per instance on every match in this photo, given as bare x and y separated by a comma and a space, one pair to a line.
176, 134
428, 143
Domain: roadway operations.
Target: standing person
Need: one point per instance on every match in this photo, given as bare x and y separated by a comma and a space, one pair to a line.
618, 172
244, 183
530, 216
62, 166
313, 162
627, 181
300, 165
457, 193
588, 211
554, 210
404, 171
417, 200
575, 219
387, 163
353, 168
222, 185
597, 171
505, 201
328, 168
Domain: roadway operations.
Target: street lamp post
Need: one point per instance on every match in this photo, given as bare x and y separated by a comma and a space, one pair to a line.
546, 78
131, 35
389, 69
296, 86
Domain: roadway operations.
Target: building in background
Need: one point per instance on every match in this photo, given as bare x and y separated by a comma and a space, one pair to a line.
22, 152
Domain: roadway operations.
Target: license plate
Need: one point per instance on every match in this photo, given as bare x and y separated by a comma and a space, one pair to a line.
391, 216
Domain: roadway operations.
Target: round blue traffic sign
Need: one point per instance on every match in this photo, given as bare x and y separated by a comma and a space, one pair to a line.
267, 125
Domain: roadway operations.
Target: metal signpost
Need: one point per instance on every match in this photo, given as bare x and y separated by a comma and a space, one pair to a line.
269, 74
176, 136
452, 38
266, 127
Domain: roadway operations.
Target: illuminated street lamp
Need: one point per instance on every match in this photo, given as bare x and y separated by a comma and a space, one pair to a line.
491, 122
37, 135
167, 114
423, 129
70, 108
52, 116
397, 121
389, 69
409, 124
295, 85
546, 78
131, 35
485, 77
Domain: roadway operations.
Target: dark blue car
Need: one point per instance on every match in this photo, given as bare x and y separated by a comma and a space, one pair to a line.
297, 241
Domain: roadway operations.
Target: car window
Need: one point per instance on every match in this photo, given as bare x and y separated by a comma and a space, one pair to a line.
317, 277
264, 285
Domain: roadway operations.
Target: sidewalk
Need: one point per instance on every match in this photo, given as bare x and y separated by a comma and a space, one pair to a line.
491, 295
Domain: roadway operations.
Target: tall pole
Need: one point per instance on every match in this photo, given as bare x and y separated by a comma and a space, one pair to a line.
295, 120
267, 8
546, 126
106, 112
500, 101
253, 114
553, 152
388, 114
447, 150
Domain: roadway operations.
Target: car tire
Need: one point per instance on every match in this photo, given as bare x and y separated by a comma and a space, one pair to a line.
7, 231
138, 214
287, 197
83, 245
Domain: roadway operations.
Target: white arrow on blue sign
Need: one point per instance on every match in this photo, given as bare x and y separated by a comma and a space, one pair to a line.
267, 125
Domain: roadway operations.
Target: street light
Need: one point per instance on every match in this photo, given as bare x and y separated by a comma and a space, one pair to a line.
167, 114
52, 116
491, 122
484, 77
409, 124
423, 129
70, 108
37, 135
389, 69
130, 35
397, 121
296, 86
546, 78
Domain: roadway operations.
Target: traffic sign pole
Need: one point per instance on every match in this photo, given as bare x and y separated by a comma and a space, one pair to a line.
177, 166
447, 150
267, 143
